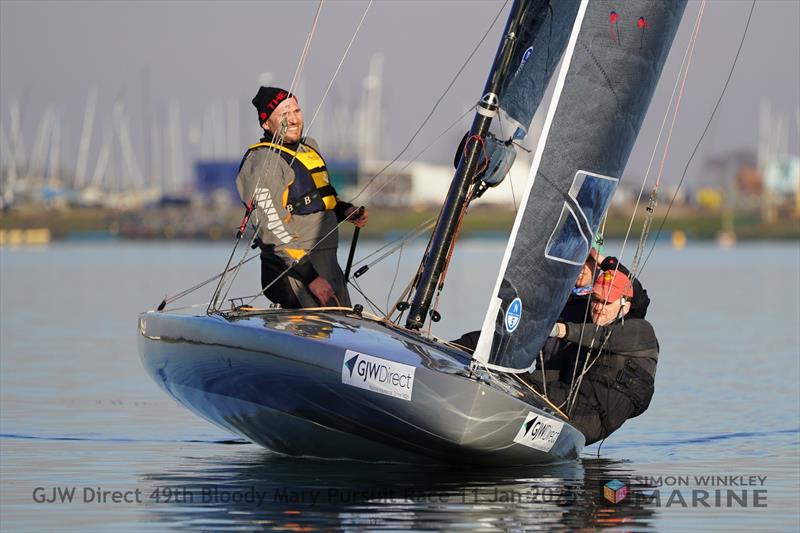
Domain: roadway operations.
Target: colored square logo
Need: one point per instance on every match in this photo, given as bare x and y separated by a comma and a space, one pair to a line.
615, 491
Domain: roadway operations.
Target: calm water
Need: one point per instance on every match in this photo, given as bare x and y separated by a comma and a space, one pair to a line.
78, 412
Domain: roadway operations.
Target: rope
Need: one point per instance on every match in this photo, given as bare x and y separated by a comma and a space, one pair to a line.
338, 68
595, 271
394, 279
399, 299
653, 198
705, 130
510, 178
277, 138
679, 82
410, 236
683, 70
306, 49
539, 394
372, 304
435, 105
336, 228
170, 299
256, 229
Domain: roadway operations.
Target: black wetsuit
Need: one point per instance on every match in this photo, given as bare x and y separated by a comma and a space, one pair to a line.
620, 381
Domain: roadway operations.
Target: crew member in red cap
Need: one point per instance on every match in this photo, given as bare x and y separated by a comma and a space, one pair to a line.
617, 360
285, 180
575, 310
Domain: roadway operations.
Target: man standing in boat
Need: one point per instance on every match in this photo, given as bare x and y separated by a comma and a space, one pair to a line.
284, 180
620, 354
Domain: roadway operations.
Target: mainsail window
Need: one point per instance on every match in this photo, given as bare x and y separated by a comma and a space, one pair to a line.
587, 202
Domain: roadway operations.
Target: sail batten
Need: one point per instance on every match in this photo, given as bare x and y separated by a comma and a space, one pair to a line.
602, 92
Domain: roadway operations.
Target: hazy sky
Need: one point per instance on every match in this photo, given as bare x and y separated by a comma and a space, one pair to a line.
198, 53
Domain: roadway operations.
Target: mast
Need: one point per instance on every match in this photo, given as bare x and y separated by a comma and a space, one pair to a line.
446, 227
86, 139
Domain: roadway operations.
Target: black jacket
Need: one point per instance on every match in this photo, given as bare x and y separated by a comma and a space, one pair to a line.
620, 380
626, 337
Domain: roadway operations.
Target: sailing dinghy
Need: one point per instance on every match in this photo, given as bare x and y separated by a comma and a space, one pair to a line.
338, 383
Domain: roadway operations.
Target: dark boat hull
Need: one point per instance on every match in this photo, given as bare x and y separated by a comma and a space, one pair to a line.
336, 385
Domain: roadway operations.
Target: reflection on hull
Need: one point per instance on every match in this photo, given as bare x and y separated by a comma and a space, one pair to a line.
336, 385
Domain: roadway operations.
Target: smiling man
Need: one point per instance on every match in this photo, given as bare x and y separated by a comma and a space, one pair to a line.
619, 356
285, 181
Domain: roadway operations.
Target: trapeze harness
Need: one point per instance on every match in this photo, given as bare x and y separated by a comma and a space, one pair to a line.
310, 191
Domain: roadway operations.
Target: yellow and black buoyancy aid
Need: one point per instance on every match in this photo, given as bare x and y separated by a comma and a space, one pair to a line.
311, 190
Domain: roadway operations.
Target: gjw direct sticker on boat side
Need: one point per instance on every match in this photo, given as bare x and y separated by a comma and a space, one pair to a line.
378, 375
539, 432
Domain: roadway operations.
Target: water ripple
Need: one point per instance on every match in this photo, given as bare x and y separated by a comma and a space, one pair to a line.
706, 438
118, 439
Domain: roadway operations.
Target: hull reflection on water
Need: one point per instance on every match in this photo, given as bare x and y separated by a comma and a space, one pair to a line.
260, 489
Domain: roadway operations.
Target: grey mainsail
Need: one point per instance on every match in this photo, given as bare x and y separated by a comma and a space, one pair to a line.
612, 64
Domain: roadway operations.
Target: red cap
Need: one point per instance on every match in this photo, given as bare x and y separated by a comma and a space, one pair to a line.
610, 286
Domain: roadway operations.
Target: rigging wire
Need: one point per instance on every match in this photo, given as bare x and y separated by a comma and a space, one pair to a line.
425, 224
250, 208
410, 236
586, 311
170, 299
653, 194
373, 178
705, 130
469, 58
375, 307
277, 138
298, 73
415, 158
338, 68
319, 107
394, 279
681, 73
510, 179
589, 362
273, 162
435, 105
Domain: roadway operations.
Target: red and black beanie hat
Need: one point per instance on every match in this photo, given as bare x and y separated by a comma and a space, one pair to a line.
267, 99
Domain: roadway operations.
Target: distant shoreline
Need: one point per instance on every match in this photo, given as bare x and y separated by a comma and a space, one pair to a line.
193, 223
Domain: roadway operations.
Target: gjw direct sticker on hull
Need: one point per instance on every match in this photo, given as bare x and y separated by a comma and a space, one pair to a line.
378, 375
539, 432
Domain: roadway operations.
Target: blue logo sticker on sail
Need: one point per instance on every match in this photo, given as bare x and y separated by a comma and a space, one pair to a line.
524, 60
513, 315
